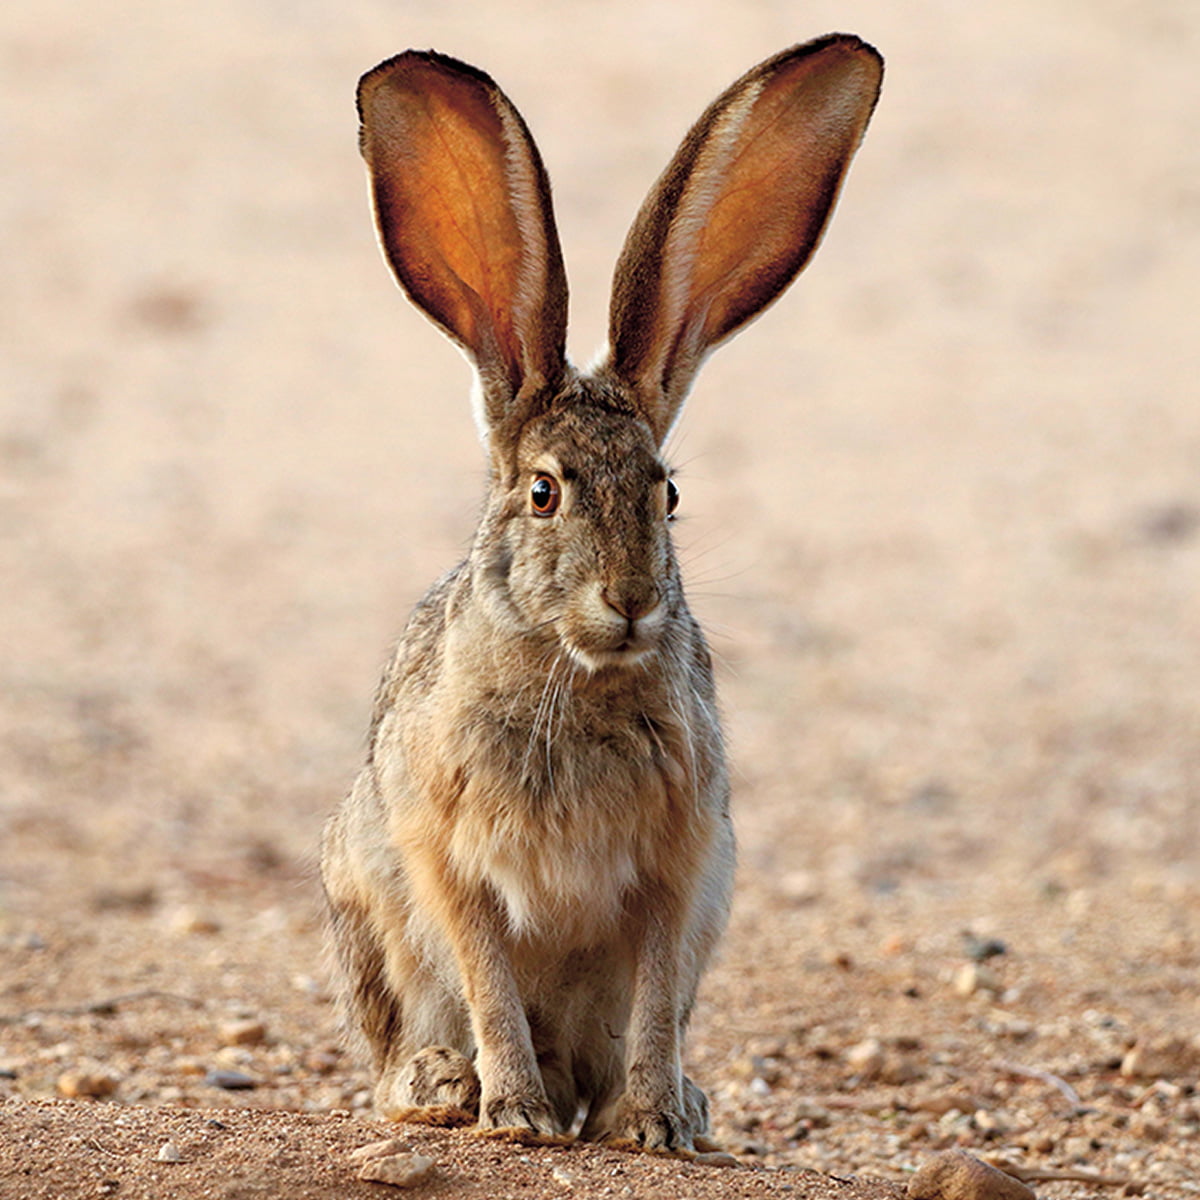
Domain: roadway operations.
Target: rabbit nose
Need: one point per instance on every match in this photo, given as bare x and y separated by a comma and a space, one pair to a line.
632, 598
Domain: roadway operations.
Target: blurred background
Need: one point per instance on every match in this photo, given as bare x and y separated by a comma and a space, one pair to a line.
941, 504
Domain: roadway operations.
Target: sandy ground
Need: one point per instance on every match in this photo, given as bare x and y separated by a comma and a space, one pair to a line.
942, 520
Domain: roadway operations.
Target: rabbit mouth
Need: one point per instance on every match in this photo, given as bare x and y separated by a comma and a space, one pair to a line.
622, 647
628, 654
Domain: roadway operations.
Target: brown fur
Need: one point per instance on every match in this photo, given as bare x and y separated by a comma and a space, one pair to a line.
534, 866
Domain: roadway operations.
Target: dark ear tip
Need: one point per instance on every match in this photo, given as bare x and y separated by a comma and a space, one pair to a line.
414, 62
846, 45
847, 41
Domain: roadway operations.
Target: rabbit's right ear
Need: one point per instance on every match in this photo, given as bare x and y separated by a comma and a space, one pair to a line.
737, 213
463, 209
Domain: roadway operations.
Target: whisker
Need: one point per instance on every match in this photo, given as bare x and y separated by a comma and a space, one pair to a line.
675, 702
540, 713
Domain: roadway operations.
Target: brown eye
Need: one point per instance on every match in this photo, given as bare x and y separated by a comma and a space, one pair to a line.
672, 497
544, 495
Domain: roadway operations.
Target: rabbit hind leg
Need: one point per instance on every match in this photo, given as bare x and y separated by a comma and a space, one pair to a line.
433, 1076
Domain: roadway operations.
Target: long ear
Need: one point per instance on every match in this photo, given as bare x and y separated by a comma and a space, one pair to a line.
737, 214
463, 208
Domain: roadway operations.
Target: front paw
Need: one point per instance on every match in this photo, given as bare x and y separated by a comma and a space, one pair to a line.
661, 1128
524, 1117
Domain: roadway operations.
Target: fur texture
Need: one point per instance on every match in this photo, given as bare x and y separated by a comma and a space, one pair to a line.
534, 866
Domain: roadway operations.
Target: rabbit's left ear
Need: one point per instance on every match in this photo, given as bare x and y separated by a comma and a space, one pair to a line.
463, 208
736, 215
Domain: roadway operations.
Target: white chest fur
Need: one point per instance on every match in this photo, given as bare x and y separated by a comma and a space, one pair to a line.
563, 857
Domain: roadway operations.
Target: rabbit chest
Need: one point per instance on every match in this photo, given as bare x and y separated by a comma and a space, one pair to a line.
563, 829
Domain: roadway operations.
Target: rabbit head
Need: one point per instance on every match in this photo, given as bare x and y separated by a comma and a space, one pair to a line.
574, 545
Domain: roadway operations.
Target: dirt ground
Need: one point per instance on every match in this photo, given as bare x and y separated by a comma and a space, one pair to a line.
942, 519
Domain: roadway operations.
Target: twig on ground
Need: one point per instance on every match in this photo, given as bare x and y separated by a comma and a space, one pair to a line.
1056, 1174
102, 1008
1046, 1077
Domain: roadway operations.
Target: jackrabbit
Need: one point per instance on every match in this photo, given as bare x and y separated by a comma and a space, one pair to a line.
530, 873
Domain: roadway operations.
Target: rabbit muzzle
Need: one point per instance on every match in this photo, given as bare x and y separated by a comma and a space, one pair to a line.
615, 624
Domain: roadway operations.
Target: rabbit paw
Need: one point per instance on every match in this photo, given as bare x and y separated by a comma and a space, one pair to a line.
664, 1128
519, 1116
437, 1086
658, 1130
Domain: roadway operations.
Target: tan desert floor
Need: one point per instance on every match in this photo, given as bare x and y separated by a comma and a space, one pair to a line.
942, 519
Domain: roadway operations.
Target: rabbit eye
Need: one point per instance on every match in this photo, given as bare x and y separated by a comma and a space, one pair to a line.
544, 495
672, 497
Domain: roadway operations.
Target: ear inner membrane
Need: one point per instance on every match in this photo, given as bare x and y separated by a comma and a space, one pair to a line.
464, 214
737, 213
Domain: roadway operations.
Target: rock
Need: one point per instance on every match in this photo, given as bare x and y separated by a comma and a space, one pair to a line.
759, 1066
246, 1032
873, 1062
87, 1085
323, 1060
866, 1059
716, 1158
564, 1177
1161, 1058
1147, 1129
980, 949
168, 1152
974, 977
190, 920
230, 1081
941, 1102
957, 1175
800, 887
400, 1170
989, 1123
809, 1116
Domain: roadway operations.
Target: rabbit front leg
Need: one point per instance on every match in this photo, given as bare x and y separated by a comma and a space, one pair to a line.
654, 1112
513, 1095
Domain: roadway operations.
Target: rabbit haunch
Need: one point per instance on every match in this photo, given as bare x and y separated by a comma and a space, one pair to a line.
534, 866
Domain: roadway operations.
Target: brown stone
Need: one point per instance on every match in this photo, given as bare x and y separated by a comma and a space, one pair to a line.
399, 1170
957, 1175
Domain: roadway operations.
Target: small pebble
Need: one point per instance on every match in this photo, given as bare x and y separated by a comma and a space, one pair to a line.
400, 1170
974, 977
991, 1123
957, 1175
168, 1152
89, 1085
866, 1059
800, 887
191, 920
563, 1176
322, 1061
980, 949
248, 1032
1161, 1058
230, 1081
716, 1158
